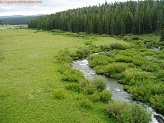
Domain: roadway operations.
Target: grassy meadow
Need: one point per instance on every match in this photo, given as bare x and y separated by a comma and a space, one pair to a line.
29, 77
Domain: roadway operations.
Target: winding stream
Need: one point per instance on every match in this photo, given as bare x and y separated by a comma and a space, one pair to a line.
117, 89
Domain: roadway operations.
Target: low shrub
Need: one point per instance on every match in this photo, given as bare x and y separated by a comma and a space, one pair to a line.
161, 65
160, 75
95, 97
121, 58
161, 56
93, 85
115, 108
99, 82
89, 89
149, 67
137, 62
105, 96
94, 48
127, 38
70, 34
138, 44
157, 101
79, 97
133, 74
86, 87
99, 70
74, 55
99, 60
70, 74
83, 53
135, 38
126, 113
117, 46
88, 43
135, 113
83, 83
85, 103
64, 56
106, 47
73, 87
59, 94
115, 68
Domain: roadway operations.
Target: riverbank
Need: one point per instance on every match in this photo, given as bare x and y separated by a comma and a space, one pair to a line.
118, 94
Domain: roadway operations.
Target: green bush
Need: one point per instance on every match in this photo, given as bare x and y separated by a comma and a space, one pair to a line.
136, 75
70, 74
157, 101
95, 97
86, 87
79, 97
161, 56
83, 53
105, 96
127, 38
137, 62
70, 34
138, 44
89, 89
73, 87
94, 48
85, 103
99, 82
115, 108
160, 75
88, 43
83, 83
99, 70
161, 65
149, 67
117, 46
64, 56
135, 113
59, 94
126, 113
135, 38
106, 47
99, 60
115, 68
121, 58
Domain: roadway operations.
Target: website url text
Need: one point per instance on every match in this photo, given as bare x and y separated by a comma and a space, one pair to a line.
20, 1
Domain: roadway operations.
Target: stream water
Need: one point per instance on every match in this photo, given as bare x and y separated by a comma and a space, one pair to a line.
117, 89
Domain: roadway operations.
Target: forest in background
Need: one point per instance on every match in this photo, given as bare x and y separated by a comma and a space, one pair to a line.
16, 20
119, 18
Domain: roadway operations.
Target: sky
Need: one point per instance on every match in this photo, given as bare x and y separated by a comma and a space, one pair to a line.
45, 7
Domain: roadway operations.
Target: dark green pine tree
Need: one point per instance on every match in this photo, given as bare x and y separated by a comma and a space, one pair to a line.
162, 35
90, 27
1, 23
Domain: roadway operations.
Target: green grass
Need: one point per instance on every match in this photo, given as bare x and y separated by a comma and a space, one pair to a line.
109, 40
149, 37
12, 26
29, 77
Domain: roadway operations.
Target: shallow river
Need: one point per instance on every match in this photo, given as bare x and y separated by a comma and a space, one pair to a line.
117, 89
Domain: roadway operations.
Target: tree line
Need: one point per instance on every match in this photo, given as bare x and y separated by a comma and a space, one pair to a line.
16, 20
119, 18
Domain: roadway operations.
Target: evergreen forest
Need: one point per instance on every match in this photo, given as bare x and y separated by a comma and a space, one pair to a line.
119, 18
